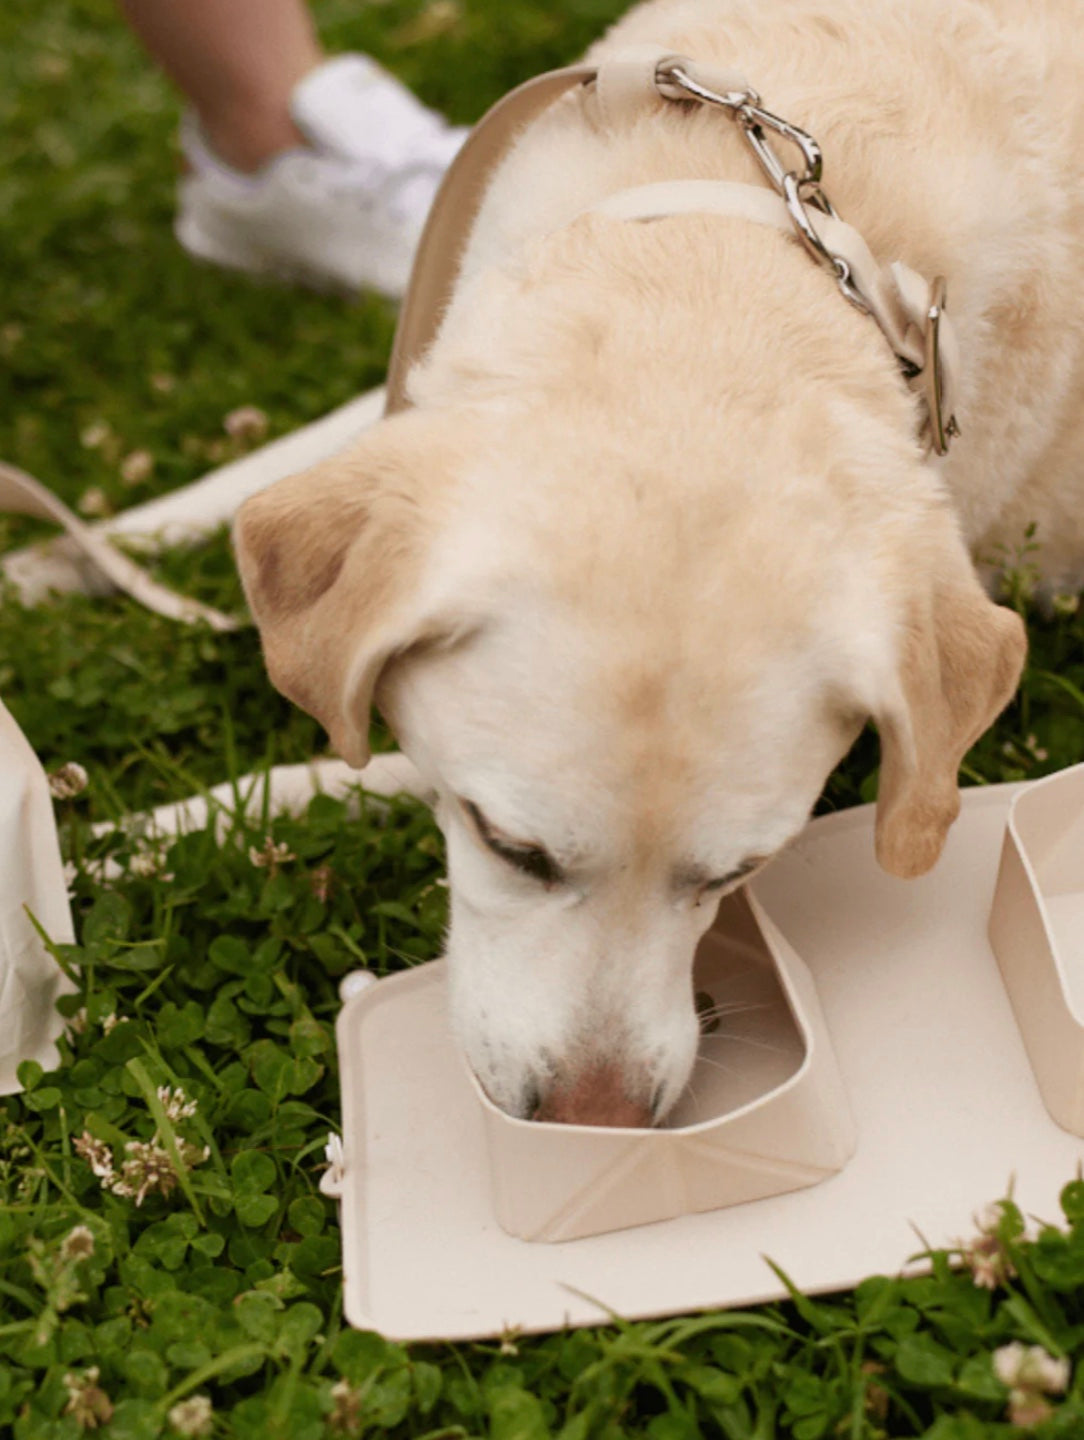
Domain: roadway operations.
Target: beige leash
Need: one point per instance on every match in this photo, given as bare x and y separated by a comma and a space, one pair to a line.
21, 494
909, 310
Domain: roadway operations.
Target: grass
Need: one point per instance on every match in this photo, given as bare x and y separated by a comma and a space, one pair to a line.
221, 981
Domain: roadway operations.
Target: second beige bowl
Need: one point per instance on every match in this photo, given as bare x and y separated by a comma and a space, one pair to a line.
1037, 932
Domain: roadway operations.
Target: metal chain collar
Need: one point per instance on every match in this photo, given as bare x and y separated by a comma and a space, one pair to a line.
802, 189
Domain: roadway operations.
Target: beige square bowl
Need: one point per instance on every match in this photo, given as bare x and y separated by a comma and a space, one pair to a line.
765, 1112
1037, 933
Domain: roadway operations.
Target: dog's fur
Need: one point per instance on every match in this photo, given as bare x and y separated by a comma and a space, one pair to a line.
658, 536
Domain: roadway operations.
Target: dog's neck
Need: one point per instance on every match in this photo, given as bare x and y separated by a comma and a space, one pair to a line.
636, 87
678, 326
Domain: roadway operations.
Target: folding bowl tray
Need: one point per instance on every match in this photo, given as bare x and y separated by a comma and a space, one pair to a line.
945, 1103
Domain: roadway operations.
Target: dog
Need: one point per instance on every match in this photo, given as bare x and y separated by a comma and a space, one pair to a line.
657, 537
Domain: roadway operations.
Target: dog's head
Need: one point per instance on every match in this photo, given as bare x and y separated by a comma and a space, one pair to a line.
624, 703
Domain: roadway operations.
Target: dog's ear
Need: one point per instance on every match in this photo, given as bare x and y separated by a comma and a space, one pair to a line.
331, 561
960, 658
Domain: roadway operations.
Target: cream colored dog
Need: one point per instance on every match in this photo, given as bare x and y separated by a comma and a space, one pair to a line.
658, 538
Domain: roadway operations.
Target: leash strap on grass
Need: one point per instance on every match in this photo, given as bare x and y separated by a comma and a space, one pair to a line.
21, 494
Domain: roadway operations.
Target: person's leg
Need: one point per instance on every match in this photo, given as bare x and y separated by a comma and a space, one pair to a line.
237, 61
319, 170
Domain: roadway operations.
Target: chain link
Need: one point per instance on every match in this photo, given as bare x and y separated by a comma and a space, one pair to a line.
798, 189
801, 191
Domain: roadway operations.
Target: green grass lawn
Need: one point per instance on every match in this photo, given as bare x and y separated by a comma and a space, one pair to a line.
221, 1290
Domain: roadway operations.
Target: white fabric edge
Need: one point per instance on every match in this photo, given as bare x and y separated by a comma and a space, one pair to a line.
284, 789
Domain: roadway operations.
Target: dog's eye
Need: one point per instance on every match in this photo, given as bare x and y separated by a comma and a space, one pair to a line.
532, 860
738, 873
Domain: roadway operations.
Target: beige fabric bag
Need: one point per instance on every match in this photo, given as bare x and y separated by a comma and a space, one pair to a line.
31, 884
32, 879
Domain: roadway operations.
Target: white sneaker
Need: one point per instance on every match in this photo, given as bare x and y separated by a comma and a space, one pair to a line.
346, 212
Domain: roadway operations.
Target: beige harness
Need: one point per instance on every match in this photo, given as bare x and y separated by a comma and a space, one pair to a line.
908, 309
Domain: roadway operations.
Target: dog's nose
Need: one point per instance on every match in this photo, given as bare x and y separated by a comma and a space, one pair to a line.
595, 1097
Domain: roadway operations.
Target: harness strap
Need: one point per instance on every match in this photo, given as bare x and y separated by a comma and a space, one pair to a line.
622, 87
454, 211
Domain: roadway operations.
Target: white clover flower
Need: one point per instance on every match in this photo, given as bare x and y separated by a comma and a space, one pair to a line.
93, 502
145, 863
94, 435
78, 1244
986, 1267
1030, 1373
1053, 1373
271, 855
149, 865
988, 1261
345, 1417
1030, 1367
986, 1256
97, 1154
67, 781
176, 1103
247, 422
1007, 1362
88, 1403
194, 1416
137, 467
148, 1168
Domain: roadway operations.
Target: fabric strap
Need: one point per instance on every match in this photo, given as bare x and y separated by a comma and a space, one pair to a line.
453, 213
21, 494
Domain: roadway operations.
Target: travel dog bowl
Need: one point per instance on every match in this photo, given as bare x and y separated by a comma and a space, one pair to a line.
765, 1111
1037, 932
